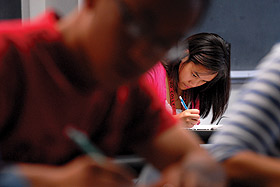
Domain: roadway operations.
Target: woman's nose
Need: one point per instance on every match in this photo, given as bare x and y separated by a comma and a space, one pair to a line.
194, 83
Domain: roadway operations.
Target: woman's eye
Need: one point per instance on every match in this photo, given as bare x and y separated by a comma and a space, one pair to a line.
194, 75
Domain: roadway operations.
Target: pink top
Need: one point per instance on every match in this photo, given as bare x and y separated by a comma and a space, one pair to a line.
156, 77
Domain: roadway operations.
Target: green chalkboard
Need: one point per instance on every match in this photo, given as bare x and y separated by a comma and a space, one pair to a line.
10, 9
251, 26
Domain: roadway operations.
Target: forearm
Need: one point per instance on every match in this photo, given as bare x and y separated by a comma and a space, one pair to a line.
81, 171
179, 157
40, 175
171, 146
192, 162
251, 166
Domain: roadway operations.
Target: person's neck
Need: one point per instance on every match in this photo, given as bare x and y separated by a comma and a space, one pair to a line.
179, 92
69, 27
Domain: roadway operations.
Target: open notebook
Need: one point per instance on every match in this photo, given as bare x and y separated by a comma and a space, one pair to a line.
206, 127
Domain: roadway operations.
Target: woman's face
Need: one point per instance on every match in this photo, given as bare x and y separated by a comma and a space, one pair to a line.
192, 75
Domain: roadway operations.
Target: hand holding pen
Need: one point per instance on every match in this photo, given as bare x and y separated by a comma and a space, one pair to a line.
191, 117
83, 142
183, 103
96, 168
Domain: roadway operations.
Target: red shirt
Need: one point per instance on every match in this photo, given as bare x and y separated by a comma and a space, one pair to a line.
41, 93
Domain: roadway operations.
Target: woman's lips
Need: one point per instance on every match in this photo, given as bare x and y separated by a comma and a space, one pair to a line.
186, 86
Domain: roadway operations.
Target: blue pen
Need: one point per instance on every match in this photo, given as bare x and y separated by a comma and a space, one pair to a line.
83, 142
183, 103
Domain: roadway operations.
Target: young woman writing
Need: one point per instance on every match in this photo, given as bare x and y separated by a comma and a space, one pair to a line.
201, 78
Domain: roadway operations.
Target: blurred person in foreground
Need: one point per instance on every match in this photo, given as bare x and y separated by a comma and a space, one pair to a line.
82, 71
248, 144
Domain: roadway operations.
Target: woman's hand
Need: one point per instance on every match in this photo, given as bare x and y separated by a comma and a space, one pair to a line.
191, 117
82, 171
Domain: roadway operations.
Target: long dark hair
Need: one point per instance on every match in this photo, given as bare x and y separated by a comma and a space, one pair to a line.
213, 52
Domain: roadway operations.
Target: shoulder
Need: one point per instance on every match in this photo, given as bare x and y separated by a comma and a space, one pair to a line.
155, 76
158, 69
24, 34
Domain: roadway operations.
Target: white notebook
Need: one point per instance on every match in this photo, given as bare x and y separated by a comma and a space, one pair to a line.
206, 127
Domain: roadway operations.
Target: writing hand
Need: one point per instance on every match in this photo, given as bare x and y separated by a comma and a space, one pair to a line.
82, 171
191, 117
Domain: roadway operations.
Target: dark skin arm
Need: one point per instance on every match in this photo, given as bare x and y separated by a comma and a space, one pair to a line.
178, 155
174, 144
250, 167
82, 171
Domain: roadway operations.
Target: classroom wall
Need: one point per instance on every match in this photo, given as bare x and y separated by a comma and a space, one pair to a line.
32, 8
10, 10
251, 26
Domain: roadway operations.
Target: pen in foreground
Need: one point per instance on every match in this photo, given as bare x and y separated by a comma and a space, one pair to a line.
183, 103
83, 142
